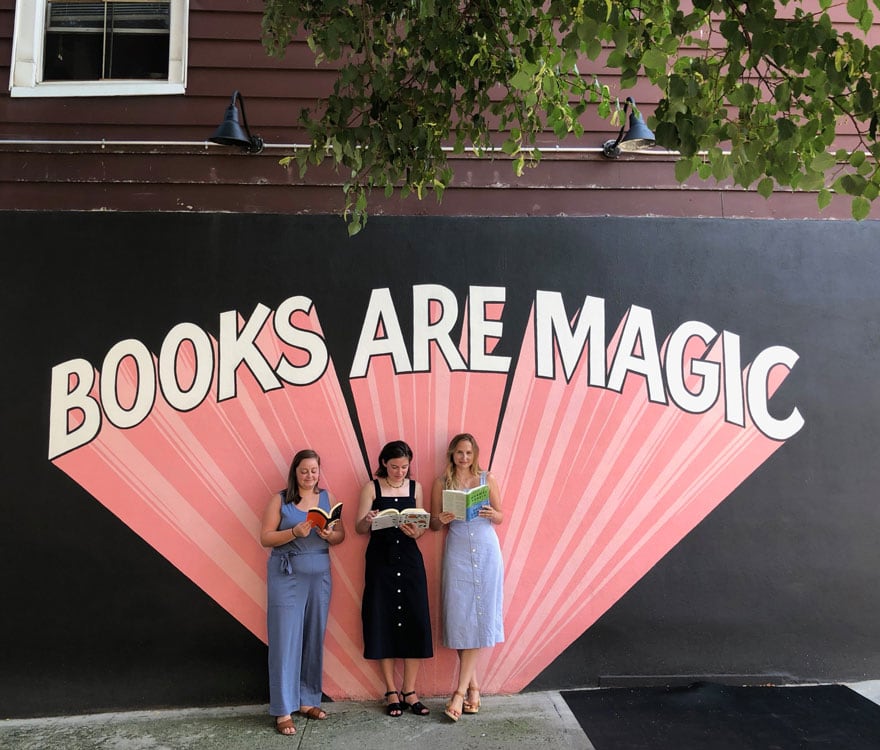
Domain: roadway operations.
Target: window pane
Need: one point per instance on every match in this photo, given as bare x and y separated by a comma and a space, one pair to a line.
137, 56
73, 57
103, 41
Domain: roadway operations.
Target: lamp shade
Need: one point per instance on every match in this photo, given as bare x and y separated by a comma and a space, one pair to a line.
231, 133
638, 136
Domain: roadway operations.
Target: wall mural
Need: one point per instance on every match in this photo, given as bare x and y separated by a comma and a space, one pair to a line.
636, 437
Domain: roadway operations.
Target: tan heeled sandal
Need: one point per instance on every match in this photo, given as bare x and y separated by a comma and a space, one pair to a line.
451, 712
469, 706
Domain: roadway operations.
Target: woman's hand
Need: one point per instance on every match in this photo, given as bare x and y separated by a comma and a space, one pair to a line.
333, 534
324, 533
493, 514
411, 530
301, 530
366, 522
446, 518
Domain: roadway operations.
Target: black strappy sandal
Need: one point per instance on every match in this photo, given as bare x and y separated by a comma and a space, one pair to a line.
418, 708
393, 709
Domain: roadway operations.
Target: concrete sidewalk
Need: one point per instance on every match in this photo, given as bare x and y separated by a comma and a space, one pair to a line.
533, 720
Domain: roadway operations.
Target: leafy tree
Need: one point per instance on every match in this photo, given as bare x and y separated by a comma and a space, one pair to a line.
751, 89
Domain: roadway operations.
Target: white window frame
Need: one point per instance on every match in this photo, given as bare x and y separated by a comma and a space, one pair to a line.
26, 73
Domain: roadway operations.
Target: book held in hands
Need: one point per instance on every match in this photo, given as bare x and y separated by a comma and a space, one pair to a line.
465, 504
322, 519
392, 518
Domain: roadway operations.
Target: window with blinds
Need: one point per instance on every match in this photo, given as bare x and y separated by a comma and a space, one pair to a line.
119, 40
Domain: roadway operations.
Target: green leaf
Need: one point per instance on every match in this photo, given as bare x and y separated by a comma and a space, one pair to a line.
765, 187
851, 184
654, 59
861, 207
824, 198
684, 168
510, 147
855, 8
521, 81
822, 162
786, 129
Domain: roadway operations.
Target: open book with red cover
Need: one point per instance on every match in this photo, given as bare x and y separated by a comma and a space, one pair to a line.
323, 519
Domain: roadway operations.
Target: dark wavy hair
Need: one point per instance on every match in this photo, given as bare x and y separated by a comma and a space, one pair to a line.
394, 449
292, 495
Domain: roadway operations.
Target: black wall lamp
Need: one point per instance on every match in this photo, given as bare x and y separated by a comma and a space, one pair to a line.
638, 136
230, 133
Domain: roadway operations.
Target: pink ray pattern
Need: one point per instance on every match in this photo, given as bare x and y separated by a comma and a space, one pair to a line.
426, 409
597, 486
194, 484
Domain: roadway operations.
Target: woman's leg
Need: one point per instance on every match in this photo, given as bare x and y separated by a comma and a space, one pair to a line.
314, 627
410, 672
392, 698
409, 694
468, 684
284, 621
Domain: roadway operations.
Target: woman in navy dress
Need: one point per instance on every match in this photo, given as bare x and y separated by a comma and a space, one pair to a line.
394, 610
298, 589
473, 571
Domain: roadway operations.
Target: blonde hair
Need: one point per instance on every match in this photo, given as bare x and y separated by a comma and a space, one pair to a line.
449, 473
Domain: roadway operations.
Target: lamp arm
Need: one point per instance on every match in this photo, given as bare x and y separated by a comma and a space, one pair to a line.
610, 148
256, 142
619, 138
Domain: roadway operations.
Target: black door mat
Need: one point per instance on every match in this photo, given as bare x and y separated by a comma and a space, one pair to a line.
708, 716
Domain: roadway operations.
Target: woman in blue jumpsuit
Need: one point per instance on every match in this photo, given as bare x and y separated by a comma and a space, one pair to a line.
298, 581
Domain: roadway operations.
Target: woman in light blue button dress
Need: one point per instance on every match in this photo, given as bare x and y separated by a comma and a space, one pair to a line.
298, 592
473, 571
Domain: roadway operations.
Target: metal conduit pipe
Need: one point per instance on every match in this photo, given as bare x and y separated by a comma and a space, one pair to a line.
545, 150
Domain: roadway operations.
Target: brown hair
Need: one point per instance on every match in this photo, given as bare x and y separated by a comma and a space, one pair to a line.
292, 495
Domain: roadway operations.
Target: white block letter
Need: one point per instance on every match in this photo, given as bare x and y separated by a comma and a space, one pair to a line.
203, 367
63, 400
141, 391
757, 388
424, 331
551, 325
380, 316
308, 341
481, 329
239, 347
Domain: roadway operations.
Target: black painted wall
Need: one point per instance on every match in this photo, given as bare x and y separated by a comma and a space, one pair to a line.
781, 579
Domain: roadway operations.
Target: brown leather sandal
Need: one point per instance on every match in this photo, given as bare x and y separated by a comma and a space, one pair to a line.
313, 712
287, 723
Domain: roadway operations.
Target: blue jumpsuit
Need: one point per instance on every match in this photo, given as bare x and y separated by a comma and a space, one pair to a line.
298, 601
